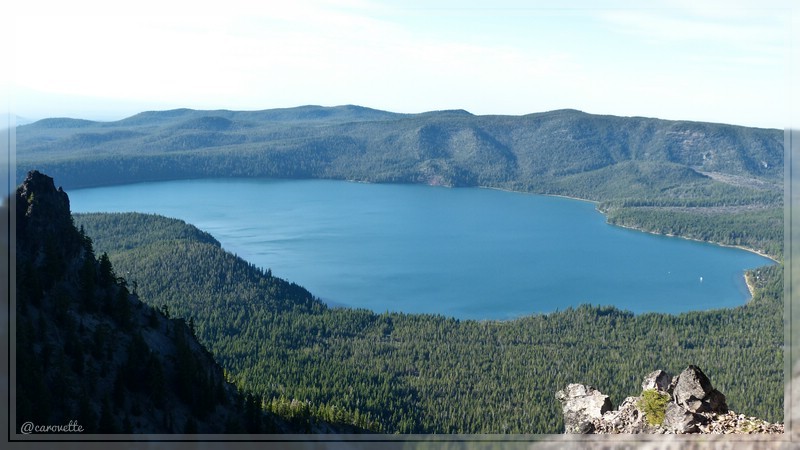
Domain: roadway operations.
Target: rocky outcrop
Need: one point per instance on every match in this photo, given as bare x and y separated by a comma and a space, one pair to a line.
686, 403
693, 392
658, 380
583, 406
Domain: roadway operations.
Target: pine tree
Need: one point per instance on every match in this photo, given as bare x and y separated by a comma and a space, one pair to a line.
106, 276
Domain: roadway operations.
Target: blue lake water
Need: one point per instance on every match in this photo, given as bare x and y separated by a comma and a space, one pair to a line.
468, 253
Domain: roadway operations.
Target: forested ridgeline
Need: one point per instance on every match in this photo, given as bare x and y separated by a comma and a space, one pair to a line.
90, 354
395, 372
694, 179
559, 150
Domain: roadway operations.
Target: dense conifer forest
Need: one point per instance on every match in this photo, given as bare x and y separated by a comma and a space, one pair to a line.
407, 373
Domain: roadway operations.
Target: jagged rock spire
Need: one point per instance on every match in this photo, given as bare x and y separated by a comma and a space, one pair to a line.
43, 219
41, 205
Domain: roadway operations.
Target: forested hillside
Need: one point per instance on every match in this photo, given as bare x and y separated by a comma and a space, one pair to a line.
91, 354
82, 334
407, 373
695, 175
566, 151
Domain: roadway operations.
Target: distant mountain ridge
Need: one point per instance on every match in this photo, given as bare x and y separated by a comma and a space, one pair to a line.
533, 152
700, 180
299, 113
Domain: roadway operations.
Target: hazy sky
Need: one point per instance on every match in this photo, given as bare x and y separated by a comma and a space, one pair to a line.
720, 61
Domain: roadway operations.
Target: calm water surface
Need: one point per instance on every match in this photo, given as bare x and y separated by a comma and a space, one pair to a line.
469, 253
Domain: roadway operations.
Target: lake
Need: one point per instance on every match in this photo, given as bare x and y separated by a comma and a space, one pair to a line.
468, 253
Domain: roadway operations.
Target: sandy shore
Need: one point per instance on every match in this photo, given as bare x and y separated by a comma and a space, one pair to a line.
750, 286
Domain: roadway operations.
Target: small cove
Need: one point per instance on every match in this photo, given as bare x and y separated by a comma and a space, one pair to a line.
468, 253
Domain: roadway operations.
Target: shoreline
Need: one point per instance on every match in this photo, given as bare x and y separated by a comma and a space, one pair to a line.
595, 202
747, 281
740, 247
750, 287
534, 193
627, 227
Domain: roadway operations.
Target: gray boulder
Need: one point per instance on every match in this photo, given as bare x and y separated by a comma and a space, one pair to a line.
694, 392
658, 380
715, 402
625, 419
680, 421
582, 406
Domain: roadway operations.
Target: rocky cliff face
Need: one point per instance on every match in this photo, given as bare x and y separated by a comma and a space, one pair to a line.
686, 403
91, 357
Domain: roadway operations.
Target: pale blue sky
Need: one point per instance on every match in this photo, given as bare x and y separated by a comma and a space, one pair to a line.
718, 61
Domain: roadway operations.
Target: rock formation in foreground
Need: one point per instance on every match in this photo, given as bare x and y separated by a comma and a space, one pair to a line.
686, 403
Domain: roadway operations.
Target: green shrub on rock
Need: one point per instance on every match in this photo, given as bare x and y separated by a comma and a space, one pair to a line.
654, 406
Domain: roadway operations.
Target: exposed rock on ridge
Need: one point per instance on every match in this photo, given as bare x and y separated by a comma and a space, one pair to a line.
689, 404
585, 405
